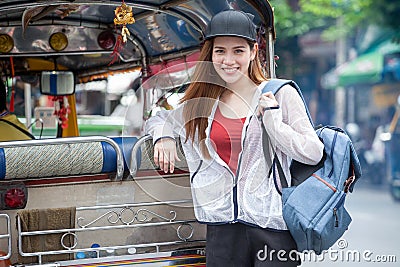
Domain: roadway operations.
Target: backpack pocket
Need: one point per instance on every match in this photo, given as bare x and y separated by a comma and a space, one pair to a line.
314, 213
332, 225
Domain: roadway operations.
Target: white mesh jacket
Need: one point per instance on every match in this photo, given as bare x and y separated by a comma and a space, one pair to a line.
250, 196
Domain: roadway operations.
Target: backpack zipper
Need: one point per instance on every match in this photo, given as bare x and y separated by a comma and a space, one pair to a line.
336, 217
333, 145
335, 209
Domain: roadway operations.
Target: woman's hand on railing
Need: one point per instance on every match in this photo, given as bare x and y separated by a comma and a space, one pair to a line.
165, 154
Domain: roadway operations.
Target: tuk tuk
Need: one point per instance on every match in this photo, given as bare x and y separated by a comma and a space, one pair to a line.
97, 199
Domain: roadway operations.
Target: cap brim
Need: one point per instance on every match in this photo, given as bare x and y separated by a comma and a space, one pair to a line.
229, 35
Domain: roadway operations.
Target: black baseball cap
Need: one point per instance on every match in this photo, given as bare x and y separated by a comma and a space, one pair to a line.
232, 23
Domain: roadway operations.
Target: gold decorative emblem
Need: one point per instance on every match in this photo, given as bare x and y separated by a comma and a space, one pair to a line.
58, 41
6, 43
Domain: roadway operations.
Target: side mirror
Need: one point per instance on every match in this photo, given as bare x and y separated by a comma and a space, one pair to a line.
57, 83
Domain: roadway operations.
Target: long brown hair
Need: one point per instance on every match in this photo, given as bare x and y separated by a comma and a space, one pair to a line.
205, 89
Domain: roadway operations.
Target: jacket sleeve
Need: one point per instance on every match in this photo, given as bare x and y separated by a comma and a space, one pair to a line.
166, 123
290, 130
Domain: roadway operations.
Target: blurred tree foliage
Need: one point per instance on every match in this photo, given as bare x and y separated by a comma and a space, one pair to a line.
296, 17
387, 13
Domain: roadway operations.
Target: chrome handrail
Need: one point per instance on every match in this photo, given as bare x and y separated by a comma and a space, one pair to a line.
73, 140
8, 236
134, 166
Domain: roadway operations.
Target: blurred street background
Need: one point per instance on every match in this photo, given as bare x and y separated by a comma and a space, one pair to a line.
373, 236
345, 55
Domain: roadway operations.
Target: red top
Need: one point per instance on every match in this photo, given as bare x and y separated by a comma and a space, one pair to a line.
226, 136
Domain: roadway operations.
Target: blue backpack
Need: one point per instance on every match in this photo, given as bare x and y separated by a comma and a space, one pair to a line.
313, 207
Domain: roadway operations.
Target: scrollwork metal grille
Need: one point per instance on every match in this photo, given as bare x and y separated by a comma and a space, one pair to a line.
119, 217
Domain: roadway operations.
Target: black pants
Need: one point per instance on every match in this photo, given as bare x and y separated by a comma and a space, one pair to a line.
242, 245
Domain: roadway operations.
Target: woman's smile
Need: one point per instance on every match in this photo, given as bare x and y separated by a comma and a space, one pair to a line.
230, 69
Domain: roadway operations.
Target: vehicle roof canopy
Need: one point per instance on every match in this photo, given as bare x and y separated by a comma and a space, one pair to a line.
163, 30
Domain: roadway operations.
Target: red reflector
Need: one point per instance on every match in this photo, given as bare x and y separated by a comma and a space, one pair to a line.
106, 40
15, 198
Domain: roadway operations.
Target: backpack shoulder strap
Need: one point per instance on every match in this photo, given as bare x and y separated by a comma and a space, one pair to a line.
274, 85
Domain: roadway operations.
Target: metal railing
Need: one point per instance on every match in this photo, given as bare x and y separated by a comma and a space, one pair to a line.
134, 165
117, 217
7, 235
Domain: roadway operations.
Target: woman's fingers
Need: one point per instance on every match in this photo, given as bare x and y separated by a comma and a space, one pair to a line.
171, 161
267, 100
161, 159
165, 155
164, 163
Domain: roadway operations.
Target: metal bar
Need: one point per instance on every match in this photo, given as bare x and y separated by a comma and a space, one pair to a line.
173, 55
95, 228
134, 164
56, 53
8, 236
134, 205
28, 105
143, 245
73, 140
78, 22
271, 54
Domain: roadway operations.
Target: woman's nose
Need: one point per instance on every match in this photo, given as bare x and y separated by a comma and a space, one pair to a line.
228, 59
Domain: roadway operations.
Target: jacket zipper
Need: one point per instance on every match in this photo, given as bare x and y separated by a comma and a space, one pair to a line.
235, 201
196, 171
234, 190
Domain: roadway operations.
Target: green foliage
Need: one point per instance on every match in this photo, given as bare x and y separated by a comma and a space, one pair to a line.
307, 15
290, 22
387, 14
294, 18
352, 12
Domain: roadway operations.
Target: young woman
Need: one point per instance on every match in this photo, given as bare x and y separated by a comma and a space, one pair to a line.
219, 123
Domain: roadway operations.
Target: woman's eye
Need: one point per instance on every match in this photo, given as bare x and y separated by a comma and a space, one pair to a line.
238, 51
218, 51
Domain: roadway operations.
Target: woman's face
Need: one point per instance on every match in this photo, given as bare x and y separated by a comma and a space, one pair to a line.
231, 58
